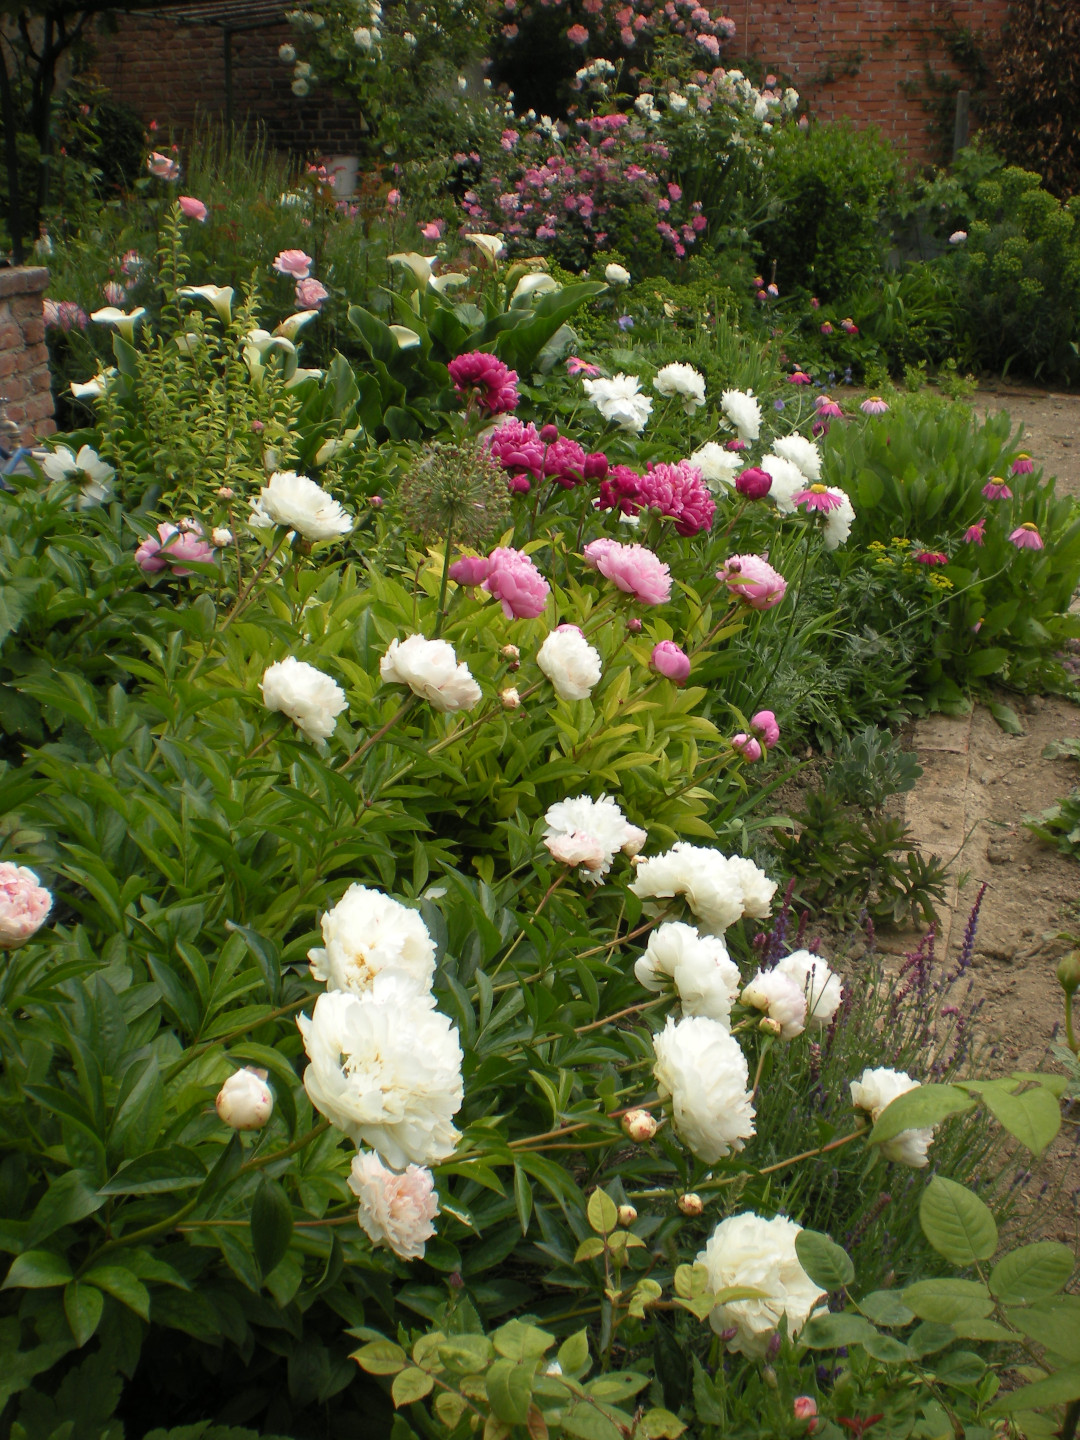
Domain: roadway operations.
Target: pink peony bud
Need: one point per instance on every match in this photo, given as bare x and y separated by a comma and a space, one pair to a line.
24, 905
805, 1407
549, 434
510, 698
747, 747
634, 625
577, 847
671, 661
753, 483
764, 726
639, 1125
245, 1101
596, 466
193, 209
519, 484
691, 1204
627, 1215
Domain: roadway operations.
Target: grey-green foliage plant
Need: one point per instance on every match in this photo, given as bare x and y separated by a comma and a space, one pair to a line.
1059, 824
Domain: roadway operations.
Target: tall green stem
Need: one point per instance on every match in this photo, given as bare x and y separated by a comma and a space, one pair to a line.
445, 580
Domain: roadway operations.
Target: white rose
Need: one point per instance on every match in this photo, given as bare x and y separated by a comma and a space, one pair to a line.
704, 975
749, 1250
743, 411
704, 1071
367, 933
838, 521
386, 1069
801, 452
717, 465
877, 1089
616, 274
569, 662
683, 381
781, 998
296, 502
821, 987
395, 1210
787, 481
620, 401
430, 669
600, 820
716, 889
308, 697
245, 1100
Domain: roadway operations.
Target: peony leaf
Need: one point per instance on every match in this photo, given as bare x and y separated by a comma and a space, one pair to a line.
956, 1222
37, 1270
83, 1305
603, 1215
271, 1225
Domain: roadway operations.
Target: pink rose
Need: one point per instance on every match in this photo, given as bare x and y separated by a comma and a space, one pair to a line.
173, 545
294, 263
805, 1407
752, 579
469, 570
311, 293
393, 199
24, 905
577, 35
633, 568
517, 584
764, 726
671, 661
193, 209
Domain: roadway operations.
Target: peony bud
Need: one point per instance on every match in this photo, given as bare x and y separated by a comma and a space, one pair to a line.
245, 1100
747, 747
691, 1204
221, 536
1068, 972
634, 625
24, 905
671, 661
510, 652
639, 1125
627, 1215
770, 1026
510, 698
596, 466
376, 502
226, 492
805, 1407
753, 483
768, 1374
549, 434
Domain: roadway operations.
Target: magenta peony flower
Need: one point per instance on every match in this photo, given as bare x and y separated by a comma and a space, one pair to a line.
294, 263
874, 405
975, 534
519, 484
470, 570
193, 209
311, 293
620, 490
996, 489
932, 557
517, 584
753, 483
747, 747
736, 445
1027, 537
671, 661
679, 493
764, 726
753, 580
173, 545
596, 466
633, 568
516, 446
564, 462
494, 383
799, 377
24, 905
1023, 464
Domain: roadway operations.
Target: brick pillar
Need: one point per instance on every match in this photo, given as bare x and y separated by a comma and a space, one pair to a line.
24, 356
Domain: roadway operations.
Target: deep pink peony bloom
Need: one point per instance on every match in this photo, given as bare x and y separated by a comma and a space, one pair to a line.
752, 579
163, 167
1027, 537
799, 377
24, 905
564, 462
747, 747
632, 568
517, 447
764, 726
753, 483
1023, 464
996, 489
495, 384
519, 484
596, 466
678, 492
174, 547
311, 293
517, 584
975, 534
671, 661
577, 35
470, 570
874, 405
817, 497
620, 490
932, 557
193, 209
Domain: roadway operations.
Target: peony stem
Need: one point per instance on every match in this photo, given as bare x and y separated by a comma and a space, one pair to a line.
254, 579
622, 939
374, 739
809, 1154
260, 1160
441, 616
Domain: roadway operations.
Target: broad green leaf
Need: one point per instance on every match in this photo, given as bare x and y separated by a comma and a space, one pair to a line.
586, 1423
825, 1262
929, 1337
157, 1172
271, 1225
885, 1307
509, 1390
661, 1424
982, 1330
1054, 1324
83, 1305
589, 1249
1056, 1389
37, 1270
886, 1348
67, 1200
381, 1357
1033, 1116
409, 1385
466, 1354
828, 1332
573, 1355
1032, 1272
961, 1367
948, 1300
616, 1385
122, 1285
603, 1215
918, 1109
956, 1222
517, 1341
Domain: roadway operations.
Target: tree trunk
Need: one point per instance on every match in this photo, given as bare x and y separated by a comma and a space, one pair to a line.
11, 160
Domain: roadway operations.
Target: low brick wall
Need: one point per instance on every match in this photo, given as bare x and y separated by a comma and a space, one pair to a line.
24, 356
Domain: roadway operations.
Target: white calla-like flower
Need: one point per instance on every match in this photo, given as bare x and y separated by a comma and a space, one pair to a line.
431, 670
490, 246
219, 296
292, 324
441, 283
422, 267
703, 1069
536, 283
406, 339
124, 320
752, 1251
312, 700
368, 933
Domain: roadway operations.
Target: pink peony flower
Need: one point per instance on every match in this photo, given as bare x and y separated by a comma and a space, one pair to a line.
517, 584
1027, 537
596, 466
633, 568
576, 847
293, 263
163, 167
516, 446
799, 377
619, 490
393, 199
172, 545
494, 383
671, 661
975, 534
874, 405
747, 747
311, 293
577, 35
753, 580
1023, 464
678, 492
193, 209
519, 484
564, 461
24, 905
395, 1210
470, 570
764, 726
996, 489
932, 557
753, 483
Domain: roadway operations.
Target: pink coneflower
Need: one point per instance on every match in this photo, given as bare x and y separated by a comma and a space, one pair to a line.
817, 497
975, 534
827, 408
848, 326
826, 327
932, 557
799, 377
874, 405
494, 384
1023, 464
1027, 537
815, 303
575, 366
996, 489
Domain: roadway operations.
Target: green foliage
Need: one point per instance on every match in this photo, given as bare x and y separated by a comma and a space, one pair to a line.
1059, 824
867, 768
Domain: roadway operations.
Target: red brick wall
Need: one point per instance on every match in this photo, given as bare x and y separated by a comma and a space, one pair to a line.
24, 358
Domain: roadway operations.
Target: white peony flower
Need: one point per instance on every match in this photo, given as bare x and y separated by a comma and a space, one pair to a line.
749, 1250
821, 987
367, 933
704, 1071
801, 452
431, 670
717, 890
620, 401
616, 274
395, 1210
684, 381
86, 469
245, 1101
577, 847
718, 466
569, 662
874, 1091
757, 889
838, 522
781, 998
308, 697
600, 821
296, 502
743, 411
787, 481
386, 1069
704, 975
634, 840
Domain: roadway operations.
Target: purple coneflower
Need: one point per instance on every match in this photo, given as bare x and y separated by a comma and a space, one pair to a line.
1027, 537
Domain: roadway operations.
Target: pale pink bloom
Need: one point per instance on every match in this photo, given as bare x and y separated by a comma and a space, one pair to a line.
516, 583
114, 293
576, 847
163, 167
24, 905
193, 209
173, 545
817, 497
433, 229
633, 568
671, 661
752, 579
577, 35
874, 405
1027, 537
50, 312
311, 293
470, 570
294, 263
764, 726
395, 1210
1023, 464
393, 199
996, 489
747, 747
805, 1407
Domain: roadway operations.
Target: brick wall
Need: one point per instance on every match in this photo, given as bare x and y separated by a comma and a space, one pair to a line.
24, 358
